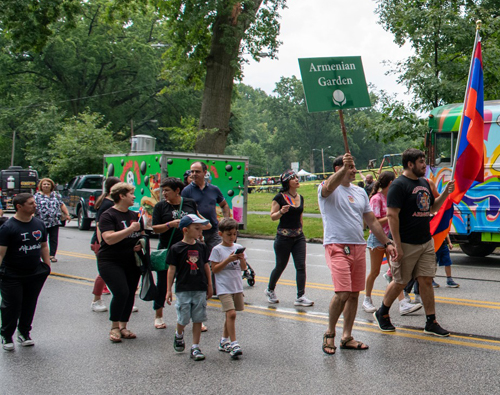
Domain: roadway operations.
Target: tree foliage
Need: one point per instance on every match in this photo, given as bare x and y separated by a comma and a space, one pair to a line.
80, 147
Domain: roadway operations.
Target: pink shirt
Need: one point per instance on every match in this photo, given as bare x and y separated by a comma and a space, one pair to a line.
378, 203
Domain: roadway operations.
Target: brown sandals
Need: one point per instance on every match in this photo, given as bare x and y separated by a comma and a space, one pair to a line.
126, 334
327, 346
115, 335
359, 345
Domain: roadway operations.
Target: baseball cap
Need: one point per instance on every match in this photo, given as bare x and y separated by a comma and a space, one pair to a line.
191, 219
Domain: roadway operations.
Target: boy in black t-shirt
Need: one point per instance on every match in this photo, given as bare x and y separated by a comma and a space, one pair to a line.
188, 264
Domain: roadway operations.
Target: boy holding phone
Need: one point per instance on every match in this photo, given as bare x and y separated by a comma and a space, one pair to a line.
228, 259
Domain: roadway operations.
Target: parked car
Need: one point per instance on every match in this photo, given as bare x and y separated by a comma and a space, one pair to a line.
80, 195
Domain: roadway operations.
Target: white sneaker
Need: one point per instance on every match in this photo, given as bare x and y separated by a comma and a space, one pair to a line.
418, 299
7, 343
303, 301
135, 309
368, 305
98, 306
271, 296
407, 298
407, 308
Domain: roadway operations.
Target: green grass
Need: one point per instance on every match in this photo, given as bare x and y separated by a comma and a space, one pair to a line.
263, 225
261, 201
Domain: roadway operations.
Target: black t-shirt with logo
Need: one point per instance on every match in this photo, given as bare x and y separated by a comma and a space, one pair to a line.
414, 199
24, 246
189, 261
164, 212
115, 220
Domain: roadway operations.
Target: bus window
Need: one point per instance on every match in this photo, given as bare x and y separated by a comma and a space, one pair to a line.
445, 147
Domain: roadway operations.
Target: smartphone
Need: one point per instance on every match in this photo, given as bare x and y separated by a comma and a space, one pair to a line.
239, 250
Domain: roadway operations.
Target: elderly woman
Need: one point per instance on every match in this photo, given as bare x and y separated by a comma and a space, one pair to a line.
287, 208
51, 210
120, 230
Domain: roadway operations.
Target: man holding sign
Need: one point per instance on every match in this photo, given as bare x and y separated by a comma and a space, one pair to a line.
343, 208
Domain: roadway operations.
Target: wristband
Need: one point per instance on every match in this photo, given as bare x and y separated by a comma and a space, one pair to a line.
168, 226
389, 243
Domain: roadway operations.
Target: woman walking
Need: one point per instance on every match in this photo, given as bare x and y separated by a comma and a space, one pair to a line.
51, 210
287, 208
120, 229
167, 215
103, 203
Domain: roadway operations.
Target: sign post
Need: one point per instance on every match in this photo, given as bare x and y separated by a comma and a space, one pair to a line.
334, 84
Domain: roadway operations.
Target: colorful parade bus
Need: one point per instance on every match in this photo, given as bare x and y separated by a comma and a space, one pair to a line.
476, 221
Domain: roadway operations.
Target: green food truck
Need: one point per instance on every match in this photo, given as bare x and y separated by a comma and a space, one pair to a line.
144, 168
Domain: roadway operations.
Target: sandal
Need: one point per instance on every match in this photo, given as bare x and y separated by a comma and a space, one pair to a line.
159, 324
115, 335
126, 334
53, 259
327, 346
359, 345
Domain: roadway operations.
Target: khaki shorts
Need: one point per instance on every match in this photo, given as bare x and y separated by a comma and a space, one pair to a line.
232, 302
419, 260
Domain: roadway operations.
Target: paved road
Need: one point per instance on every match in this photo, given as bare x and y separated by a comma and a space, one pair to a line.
281, 344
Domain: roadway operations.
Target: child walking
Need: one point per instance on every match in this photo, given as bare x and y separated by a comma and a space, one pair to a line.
227, 265
188, 263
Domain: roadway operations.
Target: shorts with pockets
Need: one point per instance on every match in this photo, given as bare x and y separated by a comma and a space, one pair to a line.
232, 302
191, 305
419, 260
348, 270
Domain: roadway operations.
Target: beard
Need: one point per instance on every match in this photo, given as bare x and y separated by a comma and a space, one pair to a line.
418, 172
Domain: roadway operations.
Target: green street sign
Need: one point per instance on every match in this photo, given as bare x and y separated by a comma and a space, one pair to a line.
334, 83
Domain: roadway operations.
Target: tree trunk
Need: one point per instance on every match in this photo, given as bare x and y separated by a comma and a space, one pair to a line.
228, 31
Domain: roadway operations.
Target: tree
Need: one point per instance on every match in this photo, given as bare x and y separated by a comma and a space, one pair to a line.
207, 42
80, 147
441, 33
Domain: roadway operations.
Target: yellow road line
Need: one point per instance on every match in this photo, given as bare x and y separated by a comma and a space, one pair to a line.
317, 319
328, 287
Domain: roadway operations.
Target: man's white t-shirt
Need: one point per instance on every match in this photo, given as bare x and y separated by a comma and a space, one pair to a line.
228, 280
342, 214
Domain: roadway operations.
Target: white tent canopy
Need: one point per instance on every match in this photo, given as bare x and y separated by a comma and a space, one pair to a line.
303, 173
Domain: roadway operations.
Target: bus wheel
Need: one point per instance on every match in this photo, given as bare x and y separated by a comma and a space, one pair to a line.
478, 250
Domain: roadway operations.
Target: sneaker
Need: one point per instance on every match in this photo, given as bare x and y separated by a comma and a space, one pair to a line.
435, 284
179, 344
196, 354
418, 299
25, 340
106, 291
135, 309
407, 308
235, 351
271, 296
451, 284
384, 322
368, 305
225, 346
98, 306
7, 343
302, 301
435, 329
388, 278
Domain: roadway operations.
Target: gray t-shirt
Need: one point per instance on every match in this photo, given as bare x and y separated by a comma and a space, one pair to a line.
228, 280
342, 214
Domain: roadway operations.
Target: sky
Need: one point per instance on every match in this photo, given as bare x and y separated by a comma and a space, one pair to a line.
329, 28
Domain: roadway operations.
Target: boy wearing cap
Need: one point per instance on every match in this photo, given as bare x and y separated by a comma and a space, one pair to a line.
188, 264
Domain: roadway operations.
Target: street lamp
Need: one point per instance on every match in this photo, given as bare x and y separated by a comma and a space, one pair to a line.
322, 155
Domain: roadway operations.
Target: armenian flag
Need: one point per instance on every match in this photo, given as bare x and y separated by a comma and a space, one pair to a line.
469, 163
441, 222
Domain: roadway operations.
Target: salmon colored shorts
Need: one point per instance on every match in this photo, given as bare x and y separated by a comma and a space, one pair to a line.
348, 270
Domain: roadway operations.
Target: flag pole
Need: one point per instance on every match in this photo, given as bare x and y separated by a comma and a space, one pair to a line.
476, 40
344, 132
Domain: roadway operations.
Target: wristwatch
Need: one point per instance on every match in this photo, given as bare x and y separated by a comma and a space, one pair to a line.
389, 243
